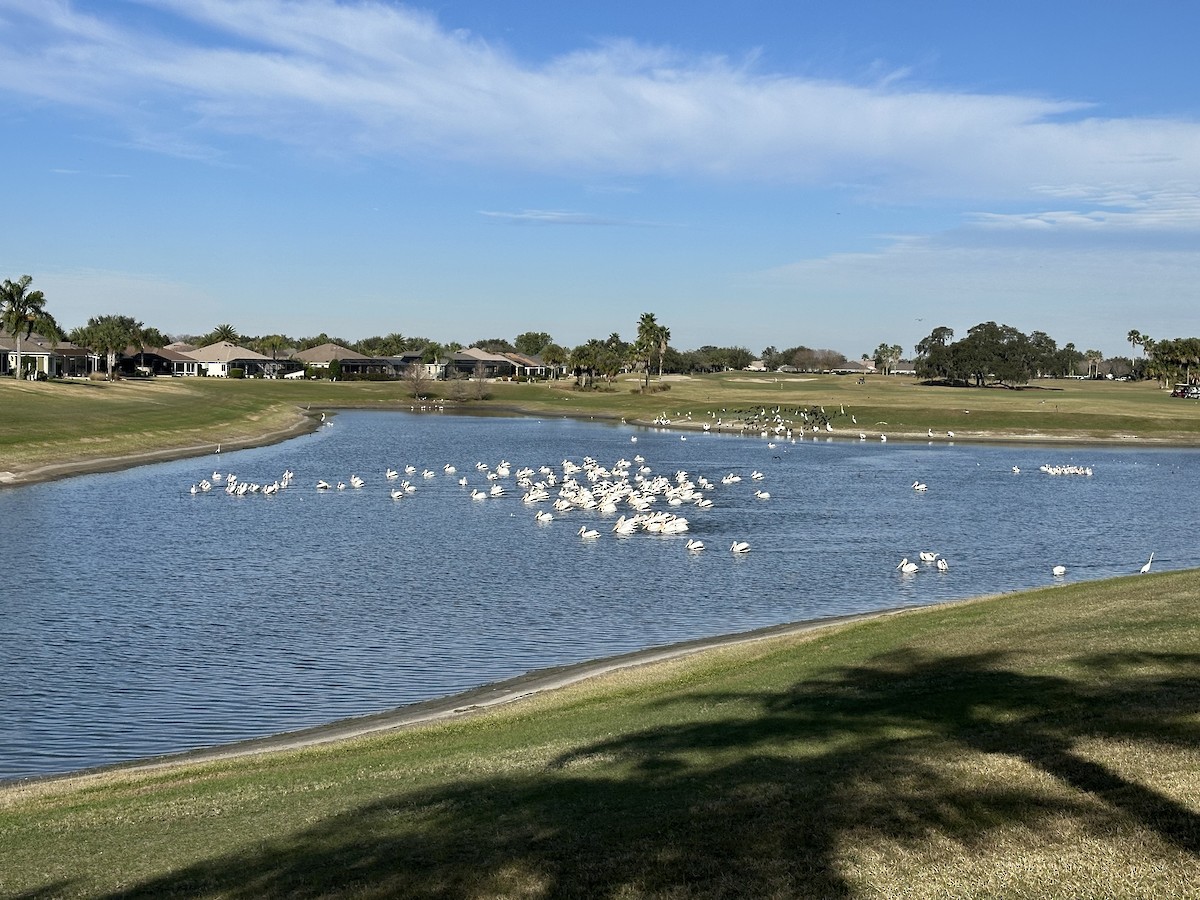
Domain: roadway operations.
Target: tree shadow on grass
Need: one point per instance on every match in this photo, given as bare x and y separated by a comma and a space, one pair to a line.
759, 798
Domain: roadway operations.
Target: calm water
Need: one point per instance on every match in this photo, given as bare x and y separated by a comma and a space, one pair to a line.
139, 619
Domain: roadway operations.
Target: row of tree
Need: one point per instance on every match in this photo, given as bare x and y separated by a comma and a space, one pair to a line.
1003, 355
989, 352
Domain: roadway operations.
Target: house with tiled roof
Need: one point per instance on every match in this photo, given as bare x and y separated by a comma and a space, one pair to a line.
42, 357
220, 358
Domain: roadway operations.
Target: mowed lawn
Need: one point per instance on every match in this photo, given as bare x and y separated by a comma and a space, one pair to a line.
59, 422
1043, 744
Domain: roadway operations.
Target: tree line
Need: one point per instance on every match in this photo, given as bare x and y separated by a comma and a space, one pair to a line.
988, 353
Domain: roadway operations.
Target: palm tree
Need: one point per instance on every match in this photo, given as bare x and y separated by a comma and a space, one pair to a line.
224, 332
664, 335
109, 335
647, 342
23, 310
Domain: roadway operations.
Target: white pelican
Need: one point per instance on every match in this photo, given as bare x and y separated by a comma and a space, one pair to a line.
356, 481
1058, 571
478, 495
1146, 568
861, 436
1016, 470
588, 535
927, 556
942, 565
391, 474
544, 516
929, 432
463, 481
762, 495
341, 485
949, 434
918, 486
739, 547
693, 544
907, 567
322, 485
397, 493
449, 469
883, 438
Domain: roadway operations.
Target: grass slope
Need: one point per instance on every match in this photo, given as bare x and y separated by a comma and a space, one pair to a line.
1043, 744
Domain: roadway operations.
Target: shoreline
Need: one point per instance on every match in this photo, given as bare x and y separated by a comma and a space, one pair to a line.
308, 421
305, 424
454, 707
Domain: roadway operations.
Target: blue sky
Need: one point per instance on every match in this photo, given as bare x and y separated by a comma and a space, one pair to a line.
761, 173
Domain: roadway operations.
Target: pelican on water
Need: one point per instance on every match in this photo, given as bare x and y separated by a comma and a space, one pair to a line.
918, 486
942, 565
927, 556
907, 567
588, 534
740, 547
1058, 571
1146, 568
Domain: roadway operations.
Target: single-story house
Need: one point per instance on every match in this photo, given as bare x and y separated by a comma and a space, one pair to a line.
219, 358
46, 358
156, 361
476, 363
532, 366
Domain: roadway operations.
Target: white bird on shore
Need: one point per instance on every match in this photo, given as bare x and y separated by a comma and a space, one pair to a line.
739, 547
1146, 568
1058, 571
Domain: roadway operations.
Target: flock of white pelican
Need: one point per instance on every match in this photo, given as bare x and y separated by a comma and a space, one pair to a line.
628, 489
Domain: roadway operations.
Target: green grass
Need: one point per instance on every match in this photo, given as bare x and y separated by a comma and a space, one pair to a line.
80, 421
1044, 744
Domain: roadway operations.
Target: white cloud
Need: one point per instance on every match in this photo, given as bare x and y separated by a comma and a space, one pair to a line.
557, 217
367, 78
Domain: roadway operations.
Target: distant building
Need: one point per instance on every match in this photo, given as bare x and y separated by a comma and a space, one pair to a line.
216, 360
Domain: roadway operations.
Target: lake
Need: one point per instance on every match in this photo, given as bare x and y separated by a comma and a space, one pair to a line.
140, 619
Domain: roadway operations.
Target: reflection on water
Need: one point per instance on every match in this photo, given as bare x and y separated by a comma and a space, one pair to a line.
140, 619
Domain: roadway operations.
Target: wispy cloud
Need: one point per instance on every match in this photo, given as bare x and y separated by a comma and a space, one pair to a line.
557, 217
382, 80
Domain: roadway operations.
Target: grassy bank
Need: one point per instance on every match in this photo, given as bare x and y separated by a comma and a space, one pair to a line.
1036, 745
62, 422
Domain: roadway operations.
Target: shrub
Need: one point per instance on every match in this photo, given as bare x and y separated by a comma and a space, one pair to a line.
237, 373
